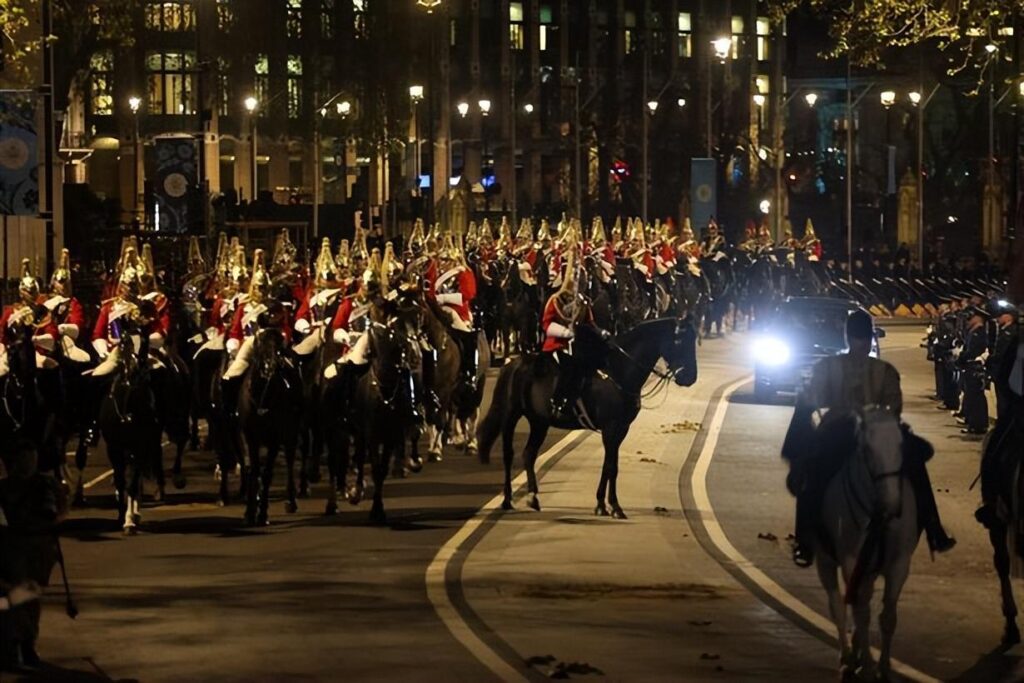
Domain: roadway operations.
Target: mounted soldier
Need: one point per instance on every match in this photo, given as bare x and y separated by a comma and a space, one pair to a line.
29, 313
688, 244
258, 311
599, 250
354, 316
844, 385
713, 239
811, 244
320, 302
454, 290
66, 311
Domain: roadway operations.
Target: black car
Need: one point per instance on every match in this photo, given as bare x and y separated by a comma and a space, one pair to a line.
801, 331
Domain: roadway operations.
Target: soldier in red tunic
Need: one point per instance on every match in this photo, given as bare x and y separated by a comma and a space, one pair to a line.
320, 302
29, 312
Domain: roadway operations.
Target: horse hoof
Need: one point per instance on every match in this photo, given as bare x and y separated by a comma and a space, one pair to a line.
249, 519
414, 465
130, 531
303, 491
398, 472
617, 513
158, 496
601, 510
534, 502
1011, 636
378, 517
507, 505
291, 507
331, 509
263, 519
434, 457
222, 503
314, 476
179, 481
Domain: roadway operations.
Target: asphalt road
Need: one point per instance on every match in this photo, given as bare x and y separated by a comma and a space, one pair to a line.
447, 593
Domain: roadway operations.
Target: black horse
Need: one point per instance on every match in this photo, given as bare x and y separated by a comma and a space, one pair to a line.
130, 424
28, 404
519, 317
269, 412
611, 401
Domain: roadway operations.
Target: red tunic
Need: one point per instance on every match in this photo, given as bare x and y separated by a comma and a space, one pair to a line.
9, 336
238, 332
465, 285
552, 314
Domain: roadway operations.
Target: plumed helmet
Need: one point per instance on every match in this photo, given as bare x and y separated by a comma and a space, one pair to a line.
687, 232
223, 262
569, 284
390, 266
196, 264
544, 234
417, 240
373, 267
128, 277
344, 258
260, 282
326, 268
147, 270
597, 236
525, 232
60, 281
28, 286
809, 231
473, 233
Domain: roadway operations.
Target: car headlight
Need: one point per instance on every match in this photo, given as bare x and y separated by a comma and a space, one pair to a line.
771, 351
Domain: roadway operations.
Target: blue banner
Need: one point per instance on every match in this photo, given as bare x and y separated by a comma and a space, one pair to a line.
175, 183
703, 192
19, 169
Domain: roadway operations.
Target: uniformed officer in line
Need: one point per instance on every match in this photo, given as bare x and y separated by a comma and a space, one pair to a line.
971, 363
1004, 343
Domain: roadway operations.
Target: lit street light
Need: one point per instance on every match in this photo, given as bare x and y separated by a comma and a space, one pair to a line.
887, 98
416, 93
681, 102
915, 98
759, 100
134, 102
485, 107
723, 46
811, 99
344, 108
528, 108
652, 106
251, 104
462, 108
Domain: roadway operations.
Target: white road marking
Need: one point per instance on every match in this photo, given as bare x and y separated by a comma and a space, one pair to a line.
108, 473
698, 483
437, 590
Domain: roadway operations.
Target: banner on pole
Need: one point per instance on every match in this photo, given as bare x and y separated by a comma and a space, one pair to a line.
703, 192
19, 167
175, 182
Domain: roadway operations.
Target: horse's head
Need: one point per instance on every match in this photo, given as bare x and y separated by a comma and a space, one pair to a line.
880, 444
268, 345
681, 352
389, 351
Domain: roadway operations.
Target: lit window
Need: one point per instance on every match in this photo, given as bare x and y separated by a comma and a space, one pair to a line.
545, 26
685, 28
225, 15
294, 19
657, 35
223, 86
262, 80
763, 33
169, 82
170, 15
359, 18
102, 87
737, 36
294, 86
629, 32
452, 31
327, 19
515, 25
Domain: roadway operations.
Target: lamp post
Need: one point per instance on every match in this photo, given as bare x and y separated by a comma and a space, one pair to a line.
133, 103
251, 104
921, 103
416, 96
722, 47
485, 111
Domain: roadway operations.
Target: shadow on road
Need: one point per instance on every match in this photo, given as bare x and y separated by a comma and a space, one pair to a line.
995, 667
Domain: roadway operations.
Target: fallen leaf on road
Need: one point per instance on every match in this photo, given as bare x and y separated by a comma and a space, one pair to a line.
768, 536
652, 461
678, 427
658, 510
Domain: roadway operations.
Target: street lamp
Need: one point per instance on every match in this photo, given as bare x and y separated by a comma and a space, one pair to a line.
915, 97
134, 102
344, 108
416, 93
528, 108
991, 48
811, 99
887, 98
765, 206
652, 106
485, 107
723, 46
251, 105
462, 108
681, 102
429, 5
759, 100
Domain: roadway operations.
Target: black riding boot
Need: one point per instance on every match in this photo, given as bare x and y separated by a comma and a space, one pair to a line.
927, 510
807, 505
468, 360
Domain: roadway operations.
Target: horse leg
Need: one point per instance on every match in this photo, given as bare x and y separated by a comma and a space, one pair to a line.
1001, 560
508, 453
895, 577
862, 626
161, 482
533, 444
612, 440
435, 439
357, 490
252, 484
131, 499
828, 574
379, 456
290, 505
335, 475
176, 474
117, 463
471, 444
193, 432
263, 516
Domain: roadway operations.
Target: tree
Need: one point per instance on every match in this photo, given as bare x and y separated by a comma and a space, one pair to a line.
864, 29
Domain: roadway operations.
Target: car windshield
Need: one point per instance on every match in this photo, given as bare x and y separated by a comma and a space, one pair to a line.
814, 326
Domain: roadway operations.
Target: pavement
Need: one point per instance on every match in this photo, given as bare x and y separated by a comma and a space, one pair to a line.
452, 589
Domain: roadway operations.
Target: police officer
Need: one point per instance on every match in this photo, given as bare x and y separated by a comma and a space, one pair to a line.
971, 363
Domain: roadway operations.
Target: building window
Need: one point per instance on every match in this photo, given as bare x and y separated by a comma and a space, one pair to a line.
763, 32
359, 18
545, 26
515, 25
629, 32
102, 88
327, 19
294, 86
225, 15
223, 86
171, 15
262, 81
169, 82
737, 36
453, 31
293, 21
685, 29
657, 33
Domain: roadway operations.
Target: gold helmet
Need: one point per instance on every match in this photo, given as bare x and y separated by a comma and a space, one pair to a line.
223, 263
283, 260
473, 233
326, 268
238, 268
373, 268
525, 232
597, 236
147, 270
417, 240
787, 229
60, 281
569, 285
505, 237
544, 234
687, 232
636, 233
344, 257
28, 286
129, 275
809, 231
617, 230
259, 284
196, 264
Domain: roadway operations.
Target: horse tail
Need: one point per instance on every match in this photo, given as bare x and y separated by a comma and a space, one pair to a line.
490, 427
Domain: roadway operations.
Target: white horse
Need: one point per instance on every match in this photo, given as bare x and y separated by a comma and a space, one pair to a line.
869, 497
